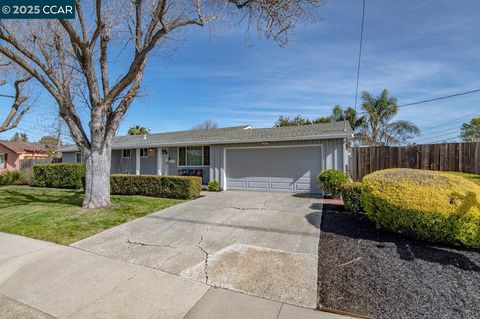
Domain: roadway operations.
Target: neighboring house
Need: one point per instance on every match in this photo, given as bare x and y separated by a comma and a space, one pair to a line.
12, 152
242, 157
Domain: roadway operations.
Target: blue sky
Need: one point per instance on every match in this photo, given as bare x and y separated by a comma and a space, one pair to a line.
416, 49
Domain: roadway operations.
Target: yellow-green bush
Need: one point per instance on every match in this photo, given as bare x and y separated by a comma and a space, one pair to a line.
435, 206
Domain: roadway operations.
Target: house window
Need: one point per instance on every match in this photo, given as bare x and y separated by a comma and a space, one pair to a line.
78, 158
126, 153
194, 156
181, 156
144, 152
3, 161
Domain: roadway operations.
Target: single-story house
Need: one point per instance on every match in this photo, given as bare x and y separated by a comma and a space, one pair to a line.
240, 158
12, 152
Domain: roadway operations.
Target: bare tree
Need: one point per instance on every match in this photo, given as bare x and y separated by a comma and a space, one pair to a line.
73, 60
205, 125
18, 107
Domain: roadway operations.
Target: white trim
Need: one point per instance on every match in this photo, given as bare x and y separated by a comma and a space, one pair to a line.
272, 146
223, 170
186, 164
224, 174
159, 160
137, 161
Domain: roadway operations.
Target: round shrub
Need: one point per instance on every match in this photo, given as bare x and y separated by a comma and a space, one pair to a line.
213, 186
351, 195
435, 206
331, 180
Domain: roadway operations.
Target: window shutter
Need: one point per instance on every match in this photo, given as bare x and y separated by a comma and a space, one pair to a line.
5, 161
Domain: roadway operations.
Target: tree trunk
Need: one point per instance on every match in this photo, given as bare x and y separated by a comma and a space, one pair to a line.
97, 177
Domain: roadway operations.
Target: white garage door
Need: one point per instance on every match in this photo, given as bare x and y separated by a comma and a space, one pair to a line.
292, 169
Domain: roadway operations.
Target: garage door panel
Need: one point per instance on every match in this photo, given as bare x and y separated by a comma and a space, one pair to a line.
275, 169
282, 186
304, 187
264, 185
237, 184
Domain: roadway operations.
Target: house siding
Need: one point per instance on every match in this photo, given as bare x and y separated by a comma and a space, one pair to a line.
12, 159
333, 156
68, 157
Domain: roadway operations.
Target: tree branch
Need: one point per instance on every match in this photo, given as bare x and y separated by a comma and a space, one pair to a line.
16, 112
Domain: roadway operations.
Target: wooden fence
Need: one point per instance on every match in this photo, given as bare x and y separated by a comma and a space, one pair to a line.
459, 157
27, 163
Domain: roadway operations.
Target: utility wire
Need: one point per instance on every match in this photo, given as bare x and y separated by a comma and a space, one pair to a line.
440, 98
452, 121
435, 136
426, 135
445, 139
435, 99
360, 53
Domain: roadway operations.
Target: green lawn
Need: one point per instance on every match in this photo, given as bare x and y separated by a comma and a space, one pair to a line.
471, 177
56, 214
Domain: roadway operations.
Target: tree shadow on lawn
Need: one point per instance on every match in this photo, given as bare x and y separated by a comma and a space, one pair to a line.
19, 198
357, 226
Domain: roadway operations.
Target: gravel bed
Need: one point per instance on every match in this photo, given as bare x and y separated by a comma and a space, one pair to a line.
384, 275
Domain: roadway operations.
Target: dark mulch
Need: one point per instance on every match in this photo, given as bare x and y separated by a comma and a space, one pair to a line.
384, 275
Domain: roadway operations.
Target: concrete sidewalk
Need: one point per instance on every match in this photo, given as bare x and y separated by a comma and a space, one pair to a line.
43, 280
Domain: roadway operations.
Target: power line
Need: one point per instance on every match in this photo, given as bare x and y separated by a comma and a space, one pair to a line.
435, 99
435, 136
360, 53
452, 121
440, 98
445, 139
426, 135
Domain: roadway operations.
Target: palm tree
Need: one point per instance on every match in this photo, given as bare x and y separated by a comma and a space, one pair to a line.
349, 114
138, 130
378, 128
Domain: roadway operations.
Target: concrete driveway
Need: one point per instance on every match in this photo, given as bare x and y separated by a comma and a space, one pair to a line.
263, 244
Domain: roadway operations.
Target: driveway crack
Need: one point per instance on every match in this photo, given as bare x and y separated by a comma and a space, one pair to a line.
148, 244
252, 208
207, 254
248, 208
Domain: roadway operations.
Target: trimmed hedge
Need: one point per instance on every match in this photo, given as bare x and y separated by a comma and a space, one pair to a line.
434, 206
351, 195
59, 175
180, 187
331, 180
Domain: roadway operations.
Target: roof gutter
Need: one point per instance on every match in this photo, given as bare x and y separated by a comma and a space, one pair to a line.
299, 138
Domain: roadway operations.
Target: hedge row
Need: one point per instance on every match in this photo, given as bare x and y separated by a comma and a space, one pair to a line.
72, 175
180, 187
62, 175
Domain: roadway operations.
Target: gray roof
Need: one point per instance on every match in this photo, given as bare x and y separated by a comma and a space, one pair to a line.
230, 135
